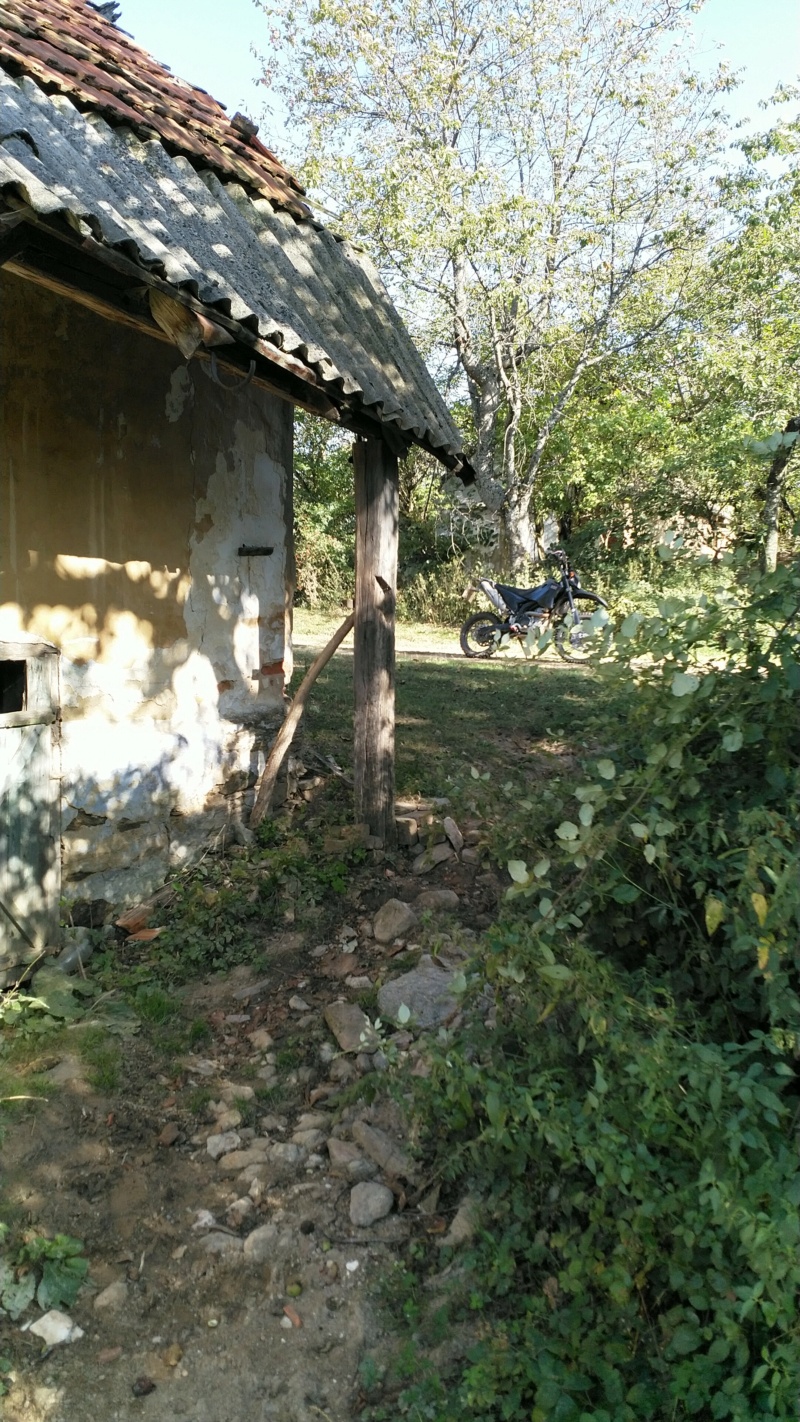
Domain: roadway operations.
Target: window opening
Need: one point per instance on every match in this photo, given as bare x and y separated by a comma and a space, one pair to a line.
13, 687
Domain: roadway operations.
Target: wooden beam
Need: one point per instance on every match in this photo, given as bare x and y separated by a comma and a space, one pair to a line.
283, 740
377, 525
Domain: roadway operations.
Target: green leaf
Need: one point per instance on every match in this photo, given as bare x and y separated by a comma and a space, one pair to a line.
632, 624
61, 1280
567, 830
627, 893
16, 1294
640, 831
657, 754
540, 868
518, 870
586, 814
606, 769
545, 907
650, 853
556, 972
732, 741
403, 1014
686, 1339
684, 683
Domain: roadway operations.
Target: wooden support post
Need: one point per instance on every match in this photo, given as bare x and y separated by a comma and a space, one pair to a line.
377, 522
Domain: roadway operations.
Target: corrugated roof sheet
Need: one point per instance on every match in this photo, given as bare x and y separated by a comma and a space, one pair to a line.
94, 132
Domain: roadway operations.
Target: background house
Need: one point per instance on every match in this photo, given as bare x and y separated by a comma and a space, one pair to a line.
166, 299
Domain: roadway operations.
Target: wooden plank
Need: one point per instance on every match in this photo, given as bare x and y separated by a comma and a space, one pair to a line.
283, 740
377, 526
306, 397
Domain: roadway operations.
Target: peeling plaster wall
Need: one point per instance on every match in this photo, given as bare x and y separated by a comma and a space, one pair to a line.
128, 481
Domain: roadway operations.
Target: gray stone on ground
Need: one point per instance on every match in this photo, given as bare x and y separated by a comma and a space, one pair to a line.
113, 1297
351, 1027
437, 899
260, 1244
222, 1143
341, 1154
242, 1159
221, 1244
369, 1202
313, 1121
426, 992
438, 854
464, 1223
453, 833
394, 920
310, 1139
383, 1150
407, 831
287, 1153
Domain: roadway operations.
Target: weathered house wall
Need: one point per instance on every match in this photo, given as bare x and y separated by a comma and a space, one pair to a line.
128, 481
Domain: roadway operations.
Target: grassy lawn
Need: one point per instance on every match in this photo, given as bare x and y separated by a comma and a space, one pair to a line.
452, 714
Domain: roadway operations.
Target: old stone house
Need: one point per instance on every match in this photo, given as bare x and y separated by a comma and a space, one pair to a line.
166, 299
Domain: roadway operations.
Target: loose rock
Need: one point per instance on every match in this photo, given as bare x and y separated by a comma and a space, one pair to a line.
394, 920
309, 1139
351, 1027
222, 1143
261, 1039
56, 1327
221, 1244
426, 992
259, 1247
437, 854
286, 1153
464, 1223
383, 1150
369, 1202
342, 1154
453, 833
242, 1160
113, 1297
436, 899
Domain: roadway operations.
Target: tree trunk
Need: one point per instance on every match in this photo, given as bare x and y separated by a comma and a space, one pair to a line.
377, 525
519, 546
773, 497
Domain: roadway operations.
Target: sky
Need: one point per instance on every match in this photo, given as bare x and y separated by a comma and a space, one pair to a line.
210, 43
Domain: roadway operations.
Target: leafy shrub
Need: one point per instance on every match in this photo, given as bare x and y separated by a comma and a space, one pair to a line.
679, 848
49, 1271
625, 1122
640, 1187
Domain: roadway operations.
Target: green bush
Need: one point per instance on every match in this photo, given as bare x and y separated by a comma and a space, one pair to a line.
678, 847
625, 1122
640, 1194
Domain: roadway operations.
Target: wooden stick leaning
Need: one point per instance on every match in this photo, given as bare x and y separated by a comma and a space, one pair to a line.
284, 737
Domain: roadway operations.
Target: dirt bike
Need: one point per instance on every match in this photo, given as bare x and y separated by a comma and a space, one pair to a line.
553, 606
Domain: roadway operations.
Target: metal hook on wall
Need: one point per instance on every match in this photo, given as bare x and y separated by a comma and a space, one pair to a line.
213, 374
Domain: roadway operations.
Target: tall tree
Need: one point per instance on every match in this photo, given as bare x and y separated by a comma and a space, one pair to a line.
517, 167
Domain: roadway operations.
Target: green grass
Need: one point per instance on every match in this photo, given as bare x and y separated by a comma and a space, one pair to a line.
102, 1056
503, 717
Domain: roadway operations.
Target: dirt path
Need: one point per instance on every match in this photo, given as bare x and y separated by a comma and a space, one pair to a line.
228, 1281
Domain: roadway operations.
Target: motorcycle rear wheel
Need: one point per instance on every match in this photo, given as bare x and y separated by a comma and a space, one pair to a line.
572, 642
479, 635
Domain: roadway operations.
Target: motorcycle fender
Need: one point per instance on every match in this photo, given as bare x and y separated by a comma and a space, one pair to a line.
589, 596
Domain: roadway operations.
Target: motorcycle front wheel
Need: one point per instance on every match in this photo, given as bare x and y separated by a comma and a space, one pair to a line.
572, 640
480, 634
